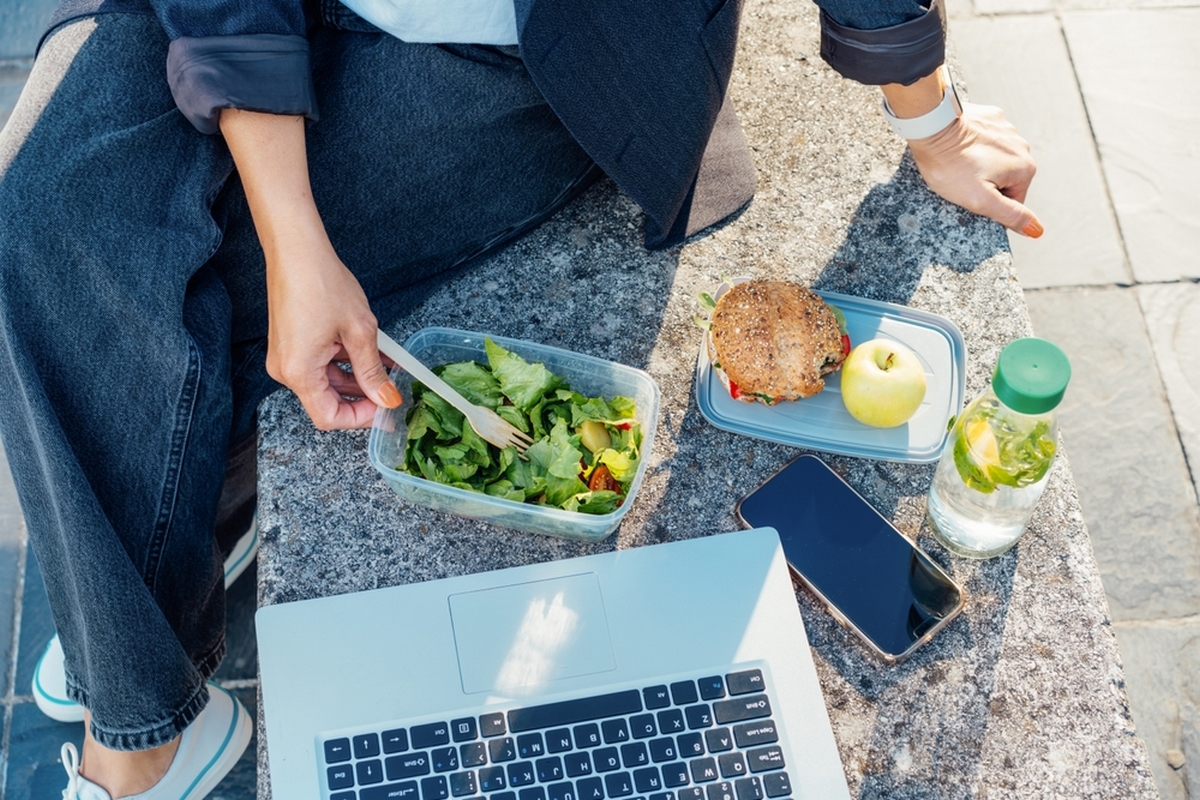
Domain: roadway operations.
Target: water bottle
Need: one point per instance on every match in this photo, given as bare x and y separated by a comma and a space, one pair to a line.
997, 459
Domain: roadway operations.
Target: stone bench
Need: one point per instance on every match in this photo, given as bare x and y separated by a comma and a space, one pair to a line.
1022, 696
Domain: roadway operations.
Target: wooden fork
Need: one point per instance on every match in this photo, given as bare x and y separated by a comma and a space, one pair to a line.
490, 426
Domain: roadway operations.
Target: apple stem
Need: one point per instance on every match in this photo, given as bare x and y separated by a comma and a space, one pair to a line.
887, 362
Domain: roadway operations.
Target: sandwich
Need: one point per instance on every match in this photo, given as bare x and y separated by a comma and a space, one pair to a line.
775, 340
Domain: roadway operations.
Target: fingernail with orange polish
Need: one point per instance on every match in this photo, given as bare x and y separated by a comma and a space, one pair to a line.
390, 395
1033, 230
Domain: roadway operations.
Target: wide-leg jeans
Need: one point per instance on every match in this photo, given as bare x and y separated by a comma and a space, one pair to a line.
133, 310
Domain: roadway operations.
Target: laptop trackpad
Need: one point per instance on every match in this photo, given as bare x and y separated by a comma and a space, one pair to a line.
527, 634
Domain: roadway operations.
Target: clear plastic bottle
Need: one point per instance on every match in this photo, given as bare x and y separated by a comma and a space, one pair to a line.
998, 456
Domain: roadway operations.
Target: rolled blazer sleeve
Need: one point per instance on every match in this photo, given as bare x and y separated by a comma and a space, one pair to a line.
247, 54
888, 41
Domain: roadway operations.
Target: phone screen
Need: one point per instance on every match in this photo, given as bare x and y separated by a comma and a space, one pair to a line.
878, 581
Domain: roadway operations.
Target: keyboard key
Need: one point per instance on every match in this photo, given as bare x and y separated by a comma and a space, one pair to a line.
663, 750
647, 780
712, 688
392, 791
395, 741
409, 765
698, 717
532, 793
619, 784
590, 788
741, 709
656, 697
577, 764
732, 765
549, 769
587, 735
431, 735
342, 796
463, 784
634, 755
614, 731
750, 789
491, 779
690, 745
606, 759
751, 734
569, 712
444, 759
691, 793
704, 770
529, 745
337, 751
777, 784
501, 750
434, 788
521, 773
472, 754
504, 796
675, 775
671, 721
663, 796
684, 693
720, 791
464, 730
366, 745
492, 724
558, 740
561, 791
642, 726
765, 758
369, 772
718, 740
340, 777
745, 682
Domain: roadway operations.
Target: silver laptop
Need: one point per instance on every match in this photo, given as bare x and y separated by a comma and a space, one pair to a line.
678, 671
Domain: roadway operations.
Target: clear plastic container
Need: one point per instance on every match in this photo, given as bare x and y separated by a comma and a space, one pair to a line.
586, 374
997, 459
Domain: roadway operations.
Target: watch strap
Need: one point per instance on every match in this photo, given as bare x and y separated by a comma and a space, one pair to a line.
932, 122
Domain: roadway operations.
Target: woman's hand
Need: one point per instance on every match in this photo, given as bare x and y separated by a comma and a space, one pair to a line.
318, 314
979, 161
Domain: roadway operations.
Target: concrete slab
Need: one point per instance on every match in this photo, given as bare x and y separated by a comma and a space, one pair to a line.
1033, 6
1162, 663
1136, 70
34, 771
1002, 60
1133, 483
1172, 313
21, 25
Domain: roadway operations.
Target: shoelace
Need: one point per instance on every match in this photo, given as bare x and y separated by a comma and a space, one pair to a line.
70, 760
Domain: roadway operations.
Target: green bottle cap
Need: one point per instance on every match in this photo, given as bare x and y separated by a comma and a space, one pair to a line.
1031, 376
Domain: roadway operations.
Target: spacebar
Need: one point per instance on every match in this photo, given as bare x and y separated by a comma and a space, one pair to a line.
571, 711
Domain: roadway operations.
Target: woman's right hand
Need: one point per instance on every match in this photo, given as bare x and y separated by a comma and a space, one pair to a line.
319, 317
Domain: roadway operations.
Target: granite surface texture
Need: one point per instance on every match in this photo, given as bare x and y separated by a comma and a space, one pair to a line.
1022, 696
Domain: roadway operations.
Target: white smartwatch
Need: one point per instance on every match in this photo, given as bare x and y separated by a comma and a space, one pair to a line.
933, 122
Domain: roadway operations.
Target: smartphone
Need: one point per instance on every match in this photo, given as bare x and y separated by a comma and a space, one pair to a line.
874, 581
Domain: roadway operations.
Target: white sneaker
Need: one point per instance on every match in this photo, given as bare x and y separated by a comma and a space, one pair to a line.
208, 749
49, 675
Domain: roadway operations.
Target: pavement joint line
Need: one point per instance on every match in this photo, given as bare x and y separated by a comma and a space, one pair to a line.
1126, 262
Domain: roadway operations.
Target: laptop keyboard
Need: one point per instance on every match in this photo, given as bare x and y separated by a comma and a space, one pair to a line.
707, 738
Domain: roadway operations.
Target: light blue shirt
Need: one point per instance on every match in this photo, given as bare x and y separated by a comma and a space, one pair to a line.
441, 21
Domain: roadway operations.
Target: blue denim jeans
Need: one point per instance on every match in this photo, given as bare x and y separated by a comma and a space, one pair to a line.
133, 310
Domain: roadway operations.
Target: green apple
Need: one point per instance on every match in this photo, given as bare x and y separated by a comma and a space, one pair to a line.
883, 383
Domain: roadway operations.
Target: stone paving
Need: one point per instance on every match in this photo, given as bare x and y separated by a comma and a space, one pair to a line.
1107, 93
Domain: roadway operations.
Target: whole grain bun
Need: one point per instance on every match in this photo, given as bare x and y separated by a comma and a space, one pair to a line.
775, 339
